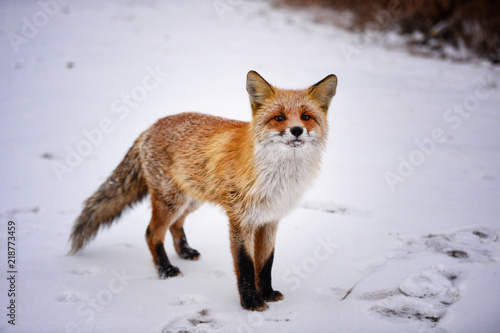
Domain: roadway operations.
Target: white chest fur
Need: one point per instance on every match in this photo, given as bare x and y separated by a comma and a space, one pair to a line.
284, 175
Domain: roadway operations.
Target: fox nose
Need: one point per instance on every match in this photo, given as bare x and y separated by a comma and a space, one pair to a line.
297, 131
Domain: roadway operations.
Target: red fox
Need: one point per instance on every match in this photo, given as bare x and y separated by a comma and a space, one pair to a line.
256, 171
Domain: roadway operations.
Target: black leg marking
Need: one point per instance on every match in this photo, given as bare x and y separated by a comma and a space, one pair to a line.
184, 250
264, 285
164, 267
249, 297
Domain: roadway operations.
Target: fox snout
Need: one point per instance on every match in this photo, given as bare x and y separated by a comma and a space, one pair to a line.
297, 131
296, 136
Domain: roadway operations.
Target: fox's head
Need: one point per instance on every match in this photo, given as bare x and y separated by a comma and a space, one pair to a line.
290, 119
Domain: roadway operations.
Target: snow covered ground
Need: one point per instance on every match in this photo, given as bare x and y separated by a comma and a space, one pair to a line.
399, 234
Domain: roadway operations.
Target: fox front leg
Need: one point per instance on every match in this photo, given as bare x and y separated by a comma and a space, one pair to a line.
265, 237
242, 239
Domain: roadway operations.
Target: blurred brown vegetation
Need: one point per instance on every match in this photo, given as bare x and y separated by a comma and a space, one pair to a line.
474, 25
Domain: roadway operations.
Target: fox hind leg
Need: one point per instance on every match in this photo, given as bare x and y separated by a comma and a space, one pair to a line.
166, 210
177, 230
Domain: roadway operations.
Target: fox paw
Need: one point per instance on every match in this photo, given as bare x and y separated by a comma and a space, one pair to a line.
255, 303
169, 271
189, 253
273, 296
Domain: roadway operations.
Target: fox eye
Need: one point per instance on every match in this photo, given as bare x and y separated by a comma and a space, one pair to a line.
279, 118
305, 117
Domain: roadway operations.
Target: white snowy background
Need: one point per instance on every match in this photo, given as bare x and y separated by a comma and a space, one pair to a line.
398, 234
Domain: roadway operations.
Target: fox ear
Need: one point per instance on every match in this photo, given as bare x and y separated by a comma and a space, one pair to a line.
258, 90
323, 91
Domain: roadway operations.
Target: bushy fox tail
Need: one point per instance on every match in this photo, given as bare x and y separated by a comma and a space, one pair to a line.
124, 187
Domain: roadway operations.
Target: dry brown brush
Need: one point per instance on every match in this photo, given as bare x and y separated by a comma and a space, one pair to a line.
466, 24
